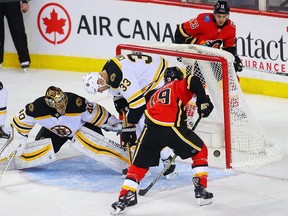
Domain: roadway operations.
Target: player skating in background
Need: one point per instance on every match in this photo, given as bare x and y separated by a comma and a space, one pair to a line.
209, 29
3, 110
169, 128
61, 116
134, 78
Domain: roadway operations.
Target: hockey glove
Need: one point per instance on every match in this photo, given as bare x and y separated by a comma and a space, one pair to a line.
113, 124
120, 104
4, 133
205, 107
129, 135
18, 144
238, 66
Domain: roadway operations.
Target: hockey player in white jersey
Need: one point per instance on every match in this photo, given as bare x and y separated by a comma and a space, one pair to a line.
133, 77
64, 116
3, 110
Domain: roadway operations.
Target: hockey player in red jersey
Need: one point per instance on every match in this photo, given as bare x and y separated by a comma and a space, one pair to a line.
166, 125
211, 29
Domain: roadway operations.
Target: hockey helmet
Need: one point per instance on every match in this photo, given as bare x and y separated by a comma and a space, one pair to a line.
221, 7
1, 86
56, 99
90, 82
172, 73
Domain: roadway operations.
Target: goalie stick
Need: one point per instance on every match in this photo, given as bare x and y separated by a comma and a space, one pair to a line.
11, 156
142, 192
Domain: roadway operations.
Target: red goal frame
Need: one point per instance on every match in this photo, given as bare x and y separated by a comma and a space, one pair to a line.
223, 61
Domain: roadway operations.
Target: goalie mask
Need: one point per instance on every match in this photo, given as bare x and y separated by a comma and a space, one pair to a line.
91, 82
56, 99
221, 7
172, 73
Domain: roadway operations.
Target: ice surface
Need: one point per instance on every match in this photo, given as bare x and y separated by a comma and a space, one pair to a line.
76, 185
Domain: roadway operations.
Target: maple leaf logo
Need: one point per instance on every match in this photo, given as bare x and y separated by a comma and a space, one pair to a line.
54, 25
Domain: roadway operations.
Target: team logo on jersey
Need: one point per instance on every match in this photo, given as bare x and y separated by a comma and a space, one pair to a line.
31, 107
112, 77
61, 130
54, 23
79, 102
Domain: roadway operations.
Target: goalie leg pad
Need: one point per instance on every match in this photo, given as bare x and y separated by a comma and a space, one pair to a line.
37, 153
101, 149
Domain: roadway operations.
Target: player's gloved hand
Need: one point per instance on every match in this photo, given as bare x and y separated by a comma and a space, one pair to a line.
120, 104
129, 135
205, 107
17, 144
113, 124
238, 66
4, 133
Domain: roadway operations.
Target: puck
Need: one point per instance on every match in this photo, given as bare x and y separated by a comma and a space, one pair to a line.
216, 153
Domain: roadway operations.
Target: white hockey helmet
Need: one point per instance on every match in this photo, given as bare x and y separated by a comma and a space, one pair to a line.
90, 82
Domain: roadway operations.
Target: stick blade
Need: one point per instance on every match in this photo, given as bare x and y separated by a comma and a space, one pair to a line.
142, 192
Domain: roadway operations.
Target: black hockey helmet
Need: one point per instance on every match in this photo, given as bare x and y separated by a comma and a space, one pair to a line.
172, 73
1, 85
221, 7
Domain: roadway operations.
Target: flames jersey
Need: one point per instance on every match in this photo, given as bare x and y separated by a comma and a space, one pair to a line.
78, 112
202, 30
167, 105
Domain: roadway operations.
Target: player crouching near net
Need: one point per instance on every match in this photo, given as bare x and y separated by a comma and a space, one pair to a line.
166, 125
63, 116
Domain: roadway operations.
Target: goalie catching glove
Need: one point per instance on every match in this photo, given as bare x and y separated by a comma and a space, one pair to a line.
205, 107
129, 135
112, 124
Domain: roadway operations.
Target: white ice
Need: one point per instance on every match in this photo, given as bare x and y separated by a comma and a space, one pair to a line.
250, 191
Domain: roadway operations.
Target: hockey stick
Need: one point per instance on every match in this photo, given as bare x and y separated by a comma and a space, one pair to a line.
142, 192
8, 141
127, 144
11, 156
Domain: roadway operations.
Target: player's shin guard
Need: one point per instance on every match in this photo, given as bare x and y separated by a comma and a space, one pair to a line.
200, 174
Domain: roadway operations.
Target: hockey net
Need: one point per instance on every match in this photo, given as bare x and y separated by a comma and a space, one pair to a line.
244, 140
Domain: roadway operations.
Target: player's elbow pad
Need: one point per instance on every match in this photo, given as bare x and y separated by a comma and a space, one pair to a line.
134, 115
179, 38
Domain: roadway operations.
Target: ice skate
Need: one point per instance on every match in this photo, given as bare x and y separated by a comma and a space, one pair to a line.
129, 199
202, 196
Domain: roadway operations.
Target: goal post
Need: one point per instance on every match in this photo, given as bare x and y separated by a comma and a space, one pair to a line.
244, 140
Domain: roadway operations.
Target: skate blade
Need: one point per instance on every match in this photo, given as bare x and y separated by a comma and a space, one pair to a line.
203, 202
115, 211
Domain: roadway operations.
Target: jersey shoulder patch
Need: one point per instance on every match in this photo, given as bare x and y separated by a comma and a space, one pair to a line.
38, 108
76, 103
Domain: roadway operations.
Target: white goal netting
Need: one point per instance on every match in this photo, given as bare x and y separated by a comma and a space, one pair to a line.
245, 142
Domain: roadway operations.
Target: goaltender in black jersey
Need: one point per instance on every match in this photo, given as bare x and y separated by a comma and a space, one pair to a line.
64, 116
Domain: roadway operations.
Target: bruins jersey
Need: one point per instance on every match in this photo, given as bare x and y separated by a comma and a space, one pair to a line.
78, 112
135, 75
